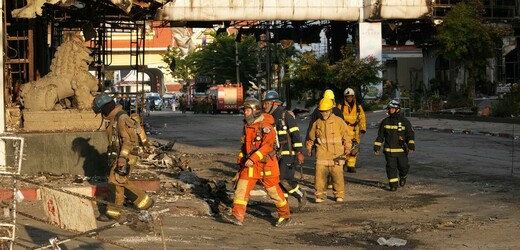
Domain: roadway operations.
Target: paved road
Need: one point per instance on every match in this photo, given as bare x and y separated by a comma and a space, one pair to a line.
483, 144
467, 165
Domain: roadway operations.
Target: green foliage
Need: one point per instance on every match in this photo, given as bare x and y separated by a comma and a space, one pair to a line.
308, 73
456, 100
182, 69
356, 73
466, 40
510, 105
217, 60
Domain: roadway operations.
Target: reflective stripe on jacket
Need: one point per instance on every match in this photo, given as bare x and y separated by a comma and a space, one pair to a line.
259, 146
331, 139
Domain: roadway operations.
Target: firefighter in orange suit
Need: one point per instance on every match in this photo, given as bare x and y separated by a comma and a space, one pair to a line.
330, 137
122, 155
354, 116
258, 162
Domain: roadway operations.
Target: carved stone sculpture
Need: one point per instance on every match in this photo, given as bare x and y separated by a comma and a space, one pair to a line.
68, 77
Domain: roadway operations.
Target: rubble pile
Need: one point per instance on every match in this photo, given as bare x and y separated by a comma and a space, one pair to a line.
179, 182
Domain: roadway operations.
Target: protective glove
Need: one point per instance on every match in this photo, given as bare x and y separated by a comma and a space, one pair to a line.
249, 163
309, 152
301, 158
122, 167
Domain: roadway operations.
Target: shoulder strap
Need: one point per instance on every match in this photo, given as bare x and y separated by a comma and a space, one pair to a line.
116, 118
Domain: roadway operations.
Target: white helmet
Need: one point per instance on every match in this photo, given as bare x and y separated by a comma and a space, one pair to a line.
393, 104
348, 91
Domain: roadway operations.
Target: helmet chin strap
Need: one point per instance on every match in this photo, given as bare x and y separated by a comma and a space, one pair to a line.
270, 108
328, 115
251, 118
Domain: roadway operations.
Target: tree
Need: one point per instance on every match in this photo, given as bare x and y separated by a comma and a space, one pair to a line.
308, 73
217, 60
178, 66
351, 72
468, 42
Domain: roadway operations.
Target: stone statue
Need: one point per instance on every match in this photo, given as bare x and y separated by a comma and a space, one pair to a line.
68, 77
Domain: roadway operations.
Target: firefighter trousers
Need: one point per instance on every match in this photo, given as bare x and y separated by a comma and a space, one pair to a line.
287, 181
120, 188
396, 167
271, 184
321, 177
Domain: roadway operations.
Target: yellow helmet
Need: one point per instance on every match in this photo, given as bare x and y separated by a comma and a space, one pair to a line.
329, 94
325, 104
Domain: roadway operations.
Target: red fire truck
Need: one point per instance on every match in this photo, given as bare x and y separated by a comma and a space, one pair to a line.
226, 97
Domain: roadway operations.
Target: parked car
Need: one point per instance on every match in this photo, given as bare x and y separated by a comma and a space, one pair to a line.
156, 99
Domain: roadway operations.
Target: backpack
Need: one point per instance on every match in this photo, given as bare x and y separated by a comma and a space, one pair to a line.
139, 129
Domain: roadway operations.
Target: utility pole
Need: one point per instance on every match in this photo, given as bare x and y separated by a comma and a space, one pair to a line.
237, 62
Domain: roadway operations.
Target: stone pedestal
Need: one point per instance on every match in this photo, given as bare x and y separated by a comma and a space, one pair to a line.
63, 120
81, 153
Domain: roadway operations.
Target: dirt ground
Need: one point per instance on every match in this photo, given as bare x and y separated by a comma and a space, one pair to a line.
461, 194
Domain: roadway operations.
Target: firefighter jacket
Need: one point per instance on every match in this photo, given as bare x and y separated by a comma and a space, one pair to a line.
354, 116
121, 133
397, 134
290, 142
258, 145
316, 115
331, 139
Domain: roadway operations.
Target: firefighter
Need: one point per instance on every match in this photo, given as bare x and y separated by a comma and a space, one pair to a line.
354, 116
328, 94
330, 136
316, 114
289, 148
397, 134
123, 140
257, 161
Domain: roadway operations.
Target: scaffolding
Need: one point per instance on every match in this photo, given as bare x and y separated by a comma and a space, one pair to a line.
11, 155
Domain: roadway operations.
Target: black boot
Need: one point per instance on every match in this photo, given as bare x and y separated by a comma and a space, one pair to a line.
402, 181
302, 200
231, 219
393, 186
104, 218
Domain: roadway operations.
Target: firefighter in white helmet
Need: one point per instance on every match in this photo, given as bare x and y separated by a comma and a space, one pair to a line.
397, 137
354, 116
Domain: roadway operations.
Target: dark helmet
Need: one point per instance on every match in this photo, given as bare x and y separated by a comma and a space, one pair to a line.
393, 104
252, 103
99, 101
271, 96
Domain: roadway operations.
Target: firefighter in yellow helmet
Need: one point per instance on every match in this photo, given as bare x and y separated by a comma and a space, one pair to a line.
330, 137
123, 141
327, 94
354, 116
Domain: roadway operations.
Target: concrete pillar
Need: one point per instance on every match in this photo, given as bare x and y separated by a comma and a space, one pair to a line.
428, 68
